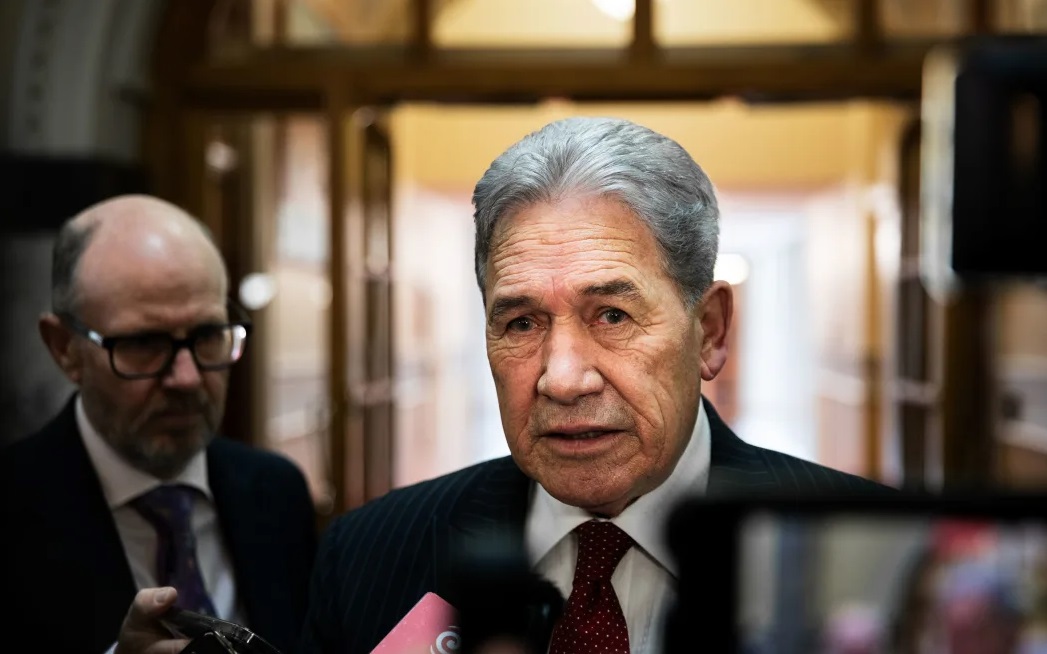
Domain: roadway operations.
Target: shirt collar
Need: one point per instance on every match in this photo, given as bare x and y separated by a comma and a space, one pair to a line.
122, 482
549, 520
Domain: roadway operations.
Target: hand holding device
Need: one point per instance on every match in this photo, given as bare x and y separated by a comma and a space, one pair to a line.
211, 635
142, 630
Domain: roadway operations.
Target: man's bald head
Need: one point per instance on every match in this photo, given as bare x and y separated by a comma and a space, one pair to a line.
125, 231
144, 274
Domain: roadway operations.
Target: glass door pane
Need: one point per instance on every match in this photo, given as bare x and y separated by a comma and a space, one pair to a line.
263, 194
297, 394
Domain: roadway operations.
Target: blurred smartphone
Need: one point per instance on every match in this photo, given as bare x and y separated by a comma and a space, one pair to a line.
889, 574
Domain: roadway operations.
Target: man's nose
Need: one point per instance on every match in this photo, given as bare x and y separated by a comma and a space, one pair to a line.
183, 372
569, 371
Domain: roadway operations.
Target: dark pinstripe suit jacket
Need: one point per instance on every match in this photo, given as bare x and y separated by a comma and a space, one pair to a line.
376, 562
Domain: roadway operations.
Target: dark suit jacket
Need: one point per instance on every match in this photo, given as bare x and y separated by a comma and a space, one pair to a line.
376, 562
63, 571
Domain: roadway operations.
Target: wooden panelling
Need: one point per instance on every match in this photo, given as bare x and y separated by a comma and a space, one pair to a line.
286, 77
1020, 466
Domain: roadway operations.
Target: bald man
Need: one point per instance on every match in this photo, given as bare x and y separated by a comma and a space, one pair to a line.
128, 487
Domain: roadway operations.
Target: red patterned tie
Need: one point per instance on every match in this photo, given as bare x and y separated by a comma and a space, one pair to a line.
593, 620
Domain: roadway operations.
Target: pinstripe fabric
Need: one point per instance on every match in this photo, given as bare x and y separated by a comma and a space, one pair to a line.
376, 562
739, 468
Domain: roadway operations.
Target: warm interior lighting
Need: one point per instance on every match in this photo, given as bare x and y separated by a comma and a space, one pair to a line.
257, 290
620, 10
220, 157
731, 268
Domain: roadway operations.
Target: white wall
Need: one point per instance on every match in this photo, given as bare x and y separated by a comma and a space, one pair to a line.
775, 394
447, 408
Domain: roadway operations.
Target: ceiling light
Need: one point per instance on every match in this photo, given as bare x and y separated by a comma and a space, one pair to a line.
257, 290
620, 10
731, 268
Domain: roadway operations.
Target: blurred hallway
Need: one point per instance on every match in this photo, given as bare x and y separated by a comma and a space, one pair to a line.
332, 148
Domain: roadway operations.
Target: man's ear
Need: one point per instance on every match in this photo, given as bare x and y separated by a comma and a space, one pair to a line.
60, 344
715, 313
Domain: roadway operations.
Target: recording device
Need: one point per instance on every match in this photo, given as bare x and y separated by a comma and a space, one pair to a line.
983, 202
499, 597
495, 596
431, 626
491, 595
775, 574
213, 636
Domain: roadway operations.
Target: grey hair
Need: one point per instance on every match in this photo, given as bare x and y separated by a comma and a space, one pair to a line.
69, 247
648, 172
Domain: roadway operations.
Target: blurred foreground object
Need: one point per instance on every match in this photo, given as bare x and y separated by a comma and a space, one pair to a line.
983, 203
853, 629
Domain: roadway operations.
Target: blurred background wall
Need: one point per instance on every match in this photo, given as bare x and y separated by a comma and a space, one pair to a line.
332, 146
74, 80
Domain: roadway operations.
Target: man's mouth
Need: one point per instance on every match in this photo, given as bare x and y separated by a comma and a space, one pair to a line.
187, 413
583, 442
583, 435
178, 418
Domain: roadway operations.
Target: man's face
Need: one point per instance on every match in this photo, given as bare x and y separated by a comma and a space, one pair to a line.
157, 424
595, 358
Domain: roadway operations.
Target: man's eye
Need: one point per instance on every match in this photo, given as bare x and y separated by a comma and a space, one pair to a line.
209, 333
613, 316
520, 325
146, 342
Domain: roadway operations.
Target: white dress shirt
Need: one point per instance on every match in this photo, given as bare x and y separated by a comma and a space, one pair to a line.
645, 579
121, 483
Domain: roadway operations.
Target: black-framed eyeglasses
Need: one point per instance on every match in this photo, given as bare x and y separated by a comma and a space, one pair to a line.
151, 354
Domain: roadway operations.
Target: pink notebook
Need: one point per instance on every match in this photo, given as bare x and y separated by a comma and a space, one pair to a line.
428, 628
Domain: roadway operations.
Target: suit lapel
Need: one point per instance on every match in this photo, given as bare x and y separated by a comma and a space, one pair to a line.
492, 509
82, 516
242, 522
734, 465
494, 502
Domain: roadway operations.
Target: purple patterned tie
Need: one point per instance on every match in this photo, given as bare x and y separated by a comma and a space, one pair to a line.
169, 509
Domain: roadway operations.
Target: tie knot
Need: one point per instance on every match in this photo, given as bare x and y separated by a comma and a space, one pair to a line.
169, 505
601, 546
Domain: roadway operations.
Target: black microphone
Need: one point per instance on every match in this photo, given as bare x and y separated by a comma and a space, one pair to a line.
500, 599
210, 635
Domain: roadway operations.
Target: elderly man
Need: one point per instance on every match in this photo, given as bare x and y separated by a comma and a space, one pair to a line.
127, 487
595, 245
